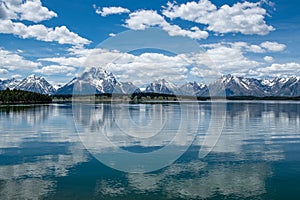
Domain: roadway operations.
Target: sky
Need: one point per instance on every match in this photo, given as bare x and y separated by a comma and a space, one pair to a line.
141, 41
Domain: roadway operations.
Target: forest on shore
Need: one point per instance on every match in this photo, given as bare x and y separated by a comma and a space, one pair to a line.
19, 96
25, 97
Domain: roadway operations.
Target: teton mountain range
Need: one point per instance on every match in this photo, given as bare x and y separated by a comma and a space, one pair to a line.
99, 81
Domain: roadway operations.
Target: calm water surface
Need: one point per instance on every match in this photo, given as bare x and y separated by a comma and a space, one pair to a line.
59, 152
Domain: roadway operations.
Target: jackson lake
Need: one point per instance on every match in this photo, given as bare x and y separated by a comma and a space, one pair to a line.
200, 150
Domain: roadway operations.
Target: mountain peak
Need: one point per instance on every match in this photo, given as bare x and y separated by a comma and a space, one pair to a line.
9, 83
194, 89
37, 84
96, 80
162, 86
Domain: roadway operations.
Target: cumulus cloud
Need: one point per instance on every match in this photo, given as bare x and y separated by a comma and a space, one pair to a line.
268, 58
3, 71
254, 48
68, 61
191, 11
16, 76
139, 69
14, 11
55, 69
230, 59
285, 69
217, 59
246, 18
194, 32
13, 61
207, 73
142, 19
31, 10
247, 47
110, 10
273, 46
61, 34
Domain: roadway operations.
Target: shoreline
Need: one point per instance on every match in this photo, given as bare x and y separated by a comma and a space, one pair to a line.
135, 98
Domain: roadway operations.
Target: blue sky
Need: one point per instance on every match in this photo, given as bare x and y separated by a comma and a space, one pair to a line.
58, 39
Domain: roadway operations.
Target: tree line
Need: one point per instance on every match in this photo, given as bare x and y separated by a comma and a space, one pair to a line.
20, 96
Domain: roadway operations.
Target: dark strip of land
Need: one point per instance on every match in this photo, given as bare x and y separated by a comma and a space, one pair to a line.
23, 97
146, 97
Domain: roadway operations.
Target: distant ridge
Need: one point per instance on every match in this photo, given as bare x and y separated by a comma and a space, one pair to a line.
31, 83
99, 81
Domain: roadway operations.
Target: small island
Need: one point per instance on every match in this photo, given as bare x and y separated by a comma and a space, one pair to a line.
23, 97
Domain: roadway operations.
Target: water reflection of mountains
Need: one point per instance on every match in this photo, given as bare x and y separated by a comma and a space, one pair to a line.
40, 172
257, 109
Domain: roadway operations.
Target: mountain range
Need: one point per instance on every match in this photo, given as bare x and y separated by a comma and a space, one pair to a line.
31, 83
99, 81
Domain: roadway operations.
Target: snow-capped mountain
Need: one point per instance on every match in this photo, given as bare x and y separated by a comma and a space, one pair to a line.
9, 83
35, 83
162, 86
128, 88
285, 86
96, 81
194, 89
99, 81
238, 86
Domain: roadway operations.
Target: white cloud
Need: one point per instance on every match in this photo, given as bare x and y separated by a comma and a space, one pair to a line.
286, 69
264, 47
112, 34
61, 34
217, 58
68, 61
246, 18
230, 59
14, 11
191, 11
196, 71
110, 10
13, 61
194, 32
142, 19
220, 58
3, 71
268, 58
148, 67
255, 49
70, 74
225, 58
247, 47
16, 76
139, 69
273, 46
31, 10
55, 69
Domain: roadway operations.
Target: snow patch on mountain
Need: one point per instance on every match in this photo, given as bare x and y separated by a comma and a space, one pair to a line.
96, 81
37, 84
162, 86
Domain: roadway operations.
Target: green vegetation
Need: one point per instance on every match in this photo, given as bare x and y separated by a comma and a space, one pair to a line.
142, 97
153, 97
19, 96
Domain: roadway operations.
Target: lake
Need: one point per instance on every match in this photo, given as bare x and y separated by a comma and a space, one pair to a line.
219, 150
